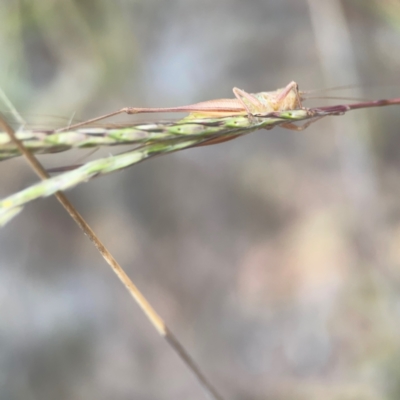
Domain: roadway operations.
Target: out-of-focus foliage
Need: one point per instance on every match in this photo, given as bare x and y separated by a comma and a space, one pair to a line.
275, 258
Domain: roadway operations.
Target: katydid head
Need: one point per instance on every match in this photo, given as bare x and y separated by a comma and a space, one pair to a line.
287, 98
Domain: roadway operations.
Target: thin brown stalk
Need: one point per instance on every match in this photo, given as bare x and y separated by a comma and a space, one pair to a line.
140, 299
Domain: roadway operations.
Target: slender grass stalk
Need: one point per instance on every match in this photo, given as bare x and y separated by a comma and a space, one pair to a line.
52, 141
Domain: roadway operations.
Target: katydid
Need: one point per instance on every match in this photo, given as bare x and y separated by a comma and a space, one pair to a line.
287, 98
284, 99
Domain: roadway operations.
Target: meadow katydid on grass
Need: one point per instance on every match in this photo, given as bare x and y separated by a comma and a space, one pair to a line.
287, 98
209, 122
244, 104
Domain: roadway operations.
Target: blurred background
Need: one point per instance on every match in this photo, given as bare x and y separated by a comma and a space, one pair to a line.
274, 258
